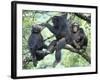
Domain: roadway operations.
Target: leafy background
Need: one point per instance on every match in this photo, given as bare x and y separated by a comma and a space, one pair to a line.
69, 59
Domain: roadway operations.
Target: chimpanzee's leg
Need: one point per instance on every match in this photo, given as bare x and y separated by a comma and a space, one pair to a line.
34, 59
60, 44
43, 51
52, 45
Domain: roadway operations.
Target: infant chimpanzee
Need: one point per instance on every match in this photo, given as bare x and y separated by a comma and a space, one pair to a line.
36, 44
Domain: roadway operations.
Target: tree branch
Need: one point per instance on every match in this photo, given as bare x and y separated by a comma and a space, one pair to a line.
84, 17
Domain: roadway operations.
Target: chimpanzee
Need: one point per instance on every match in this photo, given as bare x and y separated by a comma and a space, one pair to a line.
36, 44
62, 31
79, 39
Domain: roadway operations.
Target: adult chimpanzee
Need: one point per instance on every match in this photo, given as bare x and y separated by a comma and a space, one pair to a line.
62, 31
36, 44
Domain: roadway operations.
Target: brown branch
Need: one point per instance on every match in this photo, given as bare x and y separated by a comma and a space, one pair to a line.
84, 17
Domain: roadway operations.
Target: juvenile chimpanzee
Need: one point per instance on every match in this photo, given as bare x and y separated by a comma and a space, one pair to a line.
79, 39
36, 44
62, 31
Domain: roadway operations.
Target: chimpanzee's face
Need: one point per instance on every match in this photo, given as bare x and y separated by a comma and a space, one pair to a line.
75, 27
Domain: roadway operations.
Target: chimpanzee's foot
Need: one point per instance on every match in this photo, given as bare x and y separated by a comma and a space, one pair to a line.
35, 62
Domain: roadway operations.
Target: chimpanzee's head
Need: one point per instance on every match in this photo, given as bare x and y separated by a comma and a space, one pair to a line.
36, 28
74, 27
58, 21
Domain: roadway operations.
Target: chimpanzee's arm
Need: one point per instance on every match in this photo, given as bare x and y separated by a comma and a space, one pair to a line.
50, 27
